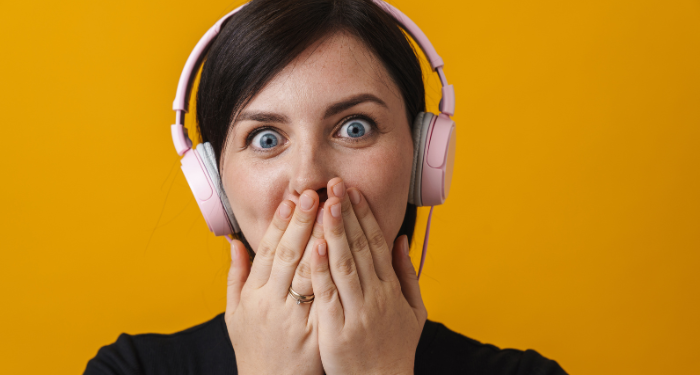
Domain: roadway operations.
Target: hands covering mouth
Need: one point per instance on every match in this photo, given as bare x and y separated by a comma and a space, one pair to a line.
368, 313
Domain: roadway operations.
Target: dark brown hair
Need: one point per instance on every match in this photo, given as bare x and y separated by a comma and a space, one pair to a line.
266, 35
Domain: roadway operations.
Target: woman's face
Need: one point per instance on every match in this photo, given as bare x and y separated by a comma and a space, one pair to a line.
333, 112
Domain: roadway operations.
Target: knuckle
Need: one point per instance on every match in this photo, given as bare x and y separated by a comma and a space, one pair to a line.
265, 250
346, 205
279, 224
334, 309
262, 305
317, 232
394, 287
358, 242
378, 291
245, 294
362, 211
346, 266
286, 253
326, 294
376, 239
231, 282
303, 219
367, 315
321, 267
337, 230
410, 272
304, 271
382, 305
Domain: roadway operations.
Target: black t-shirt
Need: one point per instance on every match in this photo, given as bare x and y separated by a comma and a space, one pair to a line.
206, 350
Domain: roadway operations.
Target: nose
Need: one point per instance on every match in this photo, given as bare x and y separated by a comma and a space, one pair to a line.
310, 169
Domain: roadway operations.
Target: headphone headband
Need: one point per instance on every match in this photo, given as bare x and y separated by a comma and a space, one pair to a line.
433, 154
184, 86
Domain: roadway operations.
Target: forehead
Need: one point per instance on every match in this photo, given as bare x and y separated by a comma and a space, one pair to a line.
333, 68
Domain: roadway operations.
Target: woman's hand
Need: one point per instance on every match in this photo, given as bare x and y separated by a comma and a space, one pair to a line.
370, 313
270, 333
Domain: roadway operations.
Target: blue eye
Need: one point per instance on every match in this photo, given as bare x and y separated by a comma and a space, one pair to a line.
355, 128
265, 139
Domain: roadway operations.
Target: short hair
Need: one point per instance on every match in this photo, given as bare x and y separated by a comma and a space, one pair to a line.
257, 42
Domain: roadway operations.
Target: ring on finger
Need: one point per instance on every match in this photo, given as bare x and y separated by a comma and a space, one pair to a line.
301, 298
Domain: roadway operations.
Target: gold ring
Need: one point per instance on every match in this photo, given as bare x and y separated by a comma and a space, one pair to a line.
300, 298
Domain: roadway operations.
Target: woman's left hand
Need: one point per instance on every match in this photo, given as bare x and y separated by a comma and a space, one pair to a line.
370, 312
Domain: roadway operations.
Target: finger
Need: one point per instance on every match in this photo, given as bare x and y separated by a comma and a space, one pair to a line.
301, 283
293, 243
327, 300
265, 255
378, 246
237, 275
359, 245
342, 263
407, 277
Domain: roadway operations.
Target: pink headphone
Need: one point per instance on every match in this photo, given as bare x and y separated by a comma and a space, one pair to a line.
434, 140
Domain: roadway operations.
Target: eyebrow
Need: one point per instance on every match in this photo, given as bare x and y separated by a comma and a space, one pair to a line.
262, 117
331, 111
351, 102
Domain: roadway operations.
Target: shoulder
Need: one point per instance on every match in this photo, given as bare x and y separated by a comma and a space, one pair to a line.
443, 351
205, 348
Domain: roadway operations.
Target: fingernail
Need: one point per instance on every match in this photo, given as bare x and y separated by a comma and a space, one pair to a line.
354, 196
233, 252
306, 202
322, 249
335, 210
339, 189
319, 216
285, 210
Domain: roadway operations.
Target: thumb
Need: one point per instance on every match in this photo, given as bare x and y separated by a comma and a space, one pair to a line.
237, 275
407, 276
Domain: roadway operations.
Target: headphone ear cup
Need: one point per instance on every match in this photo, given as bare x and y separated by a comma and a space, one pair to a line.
421, 125
438, 160
206, 154
204, 193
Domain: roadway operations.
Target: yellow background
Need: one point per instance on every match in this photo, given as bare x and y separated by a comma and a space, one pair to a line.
573, 225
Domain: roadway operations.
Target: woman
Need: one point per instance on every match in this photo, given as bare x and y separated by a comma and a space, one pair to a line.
309, 107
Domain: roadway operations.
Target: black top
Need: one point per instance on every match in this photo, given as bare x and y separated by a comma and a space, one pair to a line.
207, 349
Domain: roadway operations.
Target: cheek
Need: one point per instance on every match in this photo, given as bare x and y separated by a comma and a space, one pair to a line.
382, 173
255, 191
383, 176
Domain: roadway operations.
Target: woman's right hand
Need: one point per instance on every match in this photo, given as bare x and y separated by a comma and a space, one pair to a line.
270, 333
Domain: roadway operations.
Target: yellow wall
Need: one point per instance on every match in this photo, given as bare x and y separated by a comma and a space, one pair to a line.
574, 221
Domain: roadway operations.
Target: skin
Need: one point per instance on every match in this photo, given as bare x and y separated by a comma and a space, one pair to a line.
318, 207
329, 72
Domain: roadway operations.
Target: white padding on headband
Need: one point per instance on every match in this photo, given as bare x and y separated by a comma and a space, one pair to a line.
206, 153
420, 132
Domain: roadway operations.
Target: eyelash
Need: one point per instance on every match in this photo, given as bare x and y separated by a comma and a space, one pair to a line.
254, 132
361, 116
358, 116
